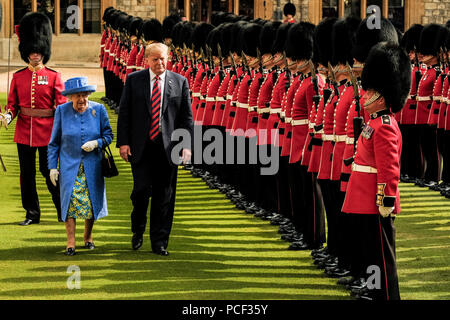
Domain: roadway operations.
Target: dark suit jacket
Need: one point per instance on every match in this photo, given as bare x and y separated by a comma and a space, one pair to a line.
133, 125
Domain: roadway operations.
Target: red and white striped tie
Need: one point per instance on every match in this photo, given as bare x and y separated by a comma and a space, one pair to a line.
156, 103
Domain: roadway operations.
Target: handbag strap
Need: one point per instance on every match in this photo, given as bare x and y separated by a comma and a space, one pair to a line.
106, 148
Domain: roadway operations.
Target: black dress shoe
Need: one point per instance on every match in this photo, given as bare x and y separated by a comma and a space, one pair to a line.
298, 245
27, 222
136, 241
161, 251
70, 251
89, 245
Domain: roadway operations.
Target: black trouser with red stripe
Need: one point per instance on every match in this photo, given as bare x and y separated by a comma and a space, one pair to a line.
374, 240
411, 158
30, 200
428, 143
284, 196
330, 191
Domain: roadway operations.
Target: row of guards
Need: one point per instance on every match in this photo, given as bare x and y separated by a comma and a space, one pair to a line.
307, 94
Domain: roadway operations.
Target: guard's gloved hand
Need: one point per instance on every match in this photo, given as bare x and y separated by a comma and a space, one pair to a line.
54, 175
385, 211
90, 145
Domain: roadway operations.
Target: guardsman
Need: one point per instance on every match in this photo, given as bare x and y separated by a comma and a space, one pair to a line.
411, 148
33, 97
310, 217
289, 11
134, 29
365, 39
445, 189
167, 27
105, 39
432, 38
373, 197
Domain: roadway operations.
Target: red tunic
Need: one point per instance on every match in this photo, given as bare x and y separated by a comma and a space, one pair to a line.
132, 59
233, 104
221, 99
263, 103
105, 57
234, 81
278, 94
196, 90
379, 147
102, 45
140, 58
213, 88
252, 116
286, 113
443, 94
36, 90
408, 113
202, 99
437, 97
340, 121
240, 120
445, 102
424, 96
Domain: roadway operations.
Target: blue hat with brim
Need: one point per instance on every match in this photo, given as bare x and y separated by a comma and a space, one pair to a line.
77, 85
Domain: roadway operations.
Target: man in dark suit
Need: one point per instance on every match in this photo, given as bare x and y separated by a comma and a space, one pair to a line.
155, 102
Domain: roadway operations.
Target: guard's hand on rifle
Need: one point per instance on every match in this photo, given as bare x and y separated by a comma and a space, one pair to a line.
54, 174
90, 145
385, 211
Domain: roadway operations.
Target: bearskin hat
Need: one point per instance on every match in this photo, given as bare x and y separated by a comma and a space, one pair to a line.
299, 41
279, 45
226, 38
343, 39
186, 34
322, 41
152, 30
250, 39
289, 8
366, 38
199, 35
267, 36
168, 24
387, 70
236, 44
135, 25
35, 34
107, 13
410, 40
432, 39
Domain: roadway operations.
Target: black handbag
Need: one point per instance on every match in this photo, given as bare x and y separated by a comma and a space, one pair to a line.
109, 168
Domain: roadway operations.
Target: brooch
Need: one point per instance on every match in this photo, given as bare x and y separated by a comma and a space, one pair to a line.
94, 113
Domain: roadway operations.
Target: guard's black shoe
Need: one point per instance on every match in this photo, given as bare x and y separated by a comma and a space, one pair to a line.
27, 222
298, 245
136, 241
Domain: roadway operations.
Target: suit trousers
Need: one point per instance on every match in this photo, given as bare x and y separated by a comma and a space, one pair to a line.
154, 176
30, 200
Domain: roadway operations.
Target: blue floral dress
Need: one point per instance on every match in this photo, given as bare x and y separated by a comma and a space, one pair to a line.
80, 205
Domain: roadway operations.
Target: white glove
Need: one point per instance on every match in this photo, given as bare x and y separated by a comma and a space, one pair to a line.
90, 145
385, 211
54, 173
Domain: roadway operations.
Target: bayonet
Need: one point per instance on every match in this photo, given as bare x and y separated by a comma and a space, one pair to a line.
233, 64
316, 97
244, 62
333, 79
358, 121
258, 53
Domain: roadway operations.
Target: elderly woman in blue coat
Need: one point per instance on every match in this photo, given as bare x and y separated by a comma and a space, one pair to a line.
80, 130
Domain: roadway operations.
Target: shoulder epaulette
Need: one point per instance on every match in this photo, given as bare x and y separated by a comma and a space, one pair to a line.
21, 70
386, 119
50, 69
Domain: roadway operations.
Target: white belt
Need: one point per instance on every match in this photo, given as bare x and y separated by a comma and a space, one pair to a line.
229, 97
139, 68
263, 110
445, 100
131, 67
340, 138
106, 50
102, 45
275, 110
360, 168
298, 122
288, 120
327, 137
196, 94
349, 140
220, 99
283, 114
242, 105
437, 98
410, 97
423, 98
318, 132
252, 108
210, 99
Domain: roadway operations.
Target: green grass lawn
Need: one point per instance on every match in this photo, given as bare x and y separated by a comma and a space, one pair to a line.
217, 251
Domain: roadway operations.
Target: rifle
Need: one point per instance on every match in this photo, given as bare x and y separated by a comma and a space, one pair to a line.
314, 80
333, 79
357, 121
258, 54
244, 63
221, 72
287, 72
194, 67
